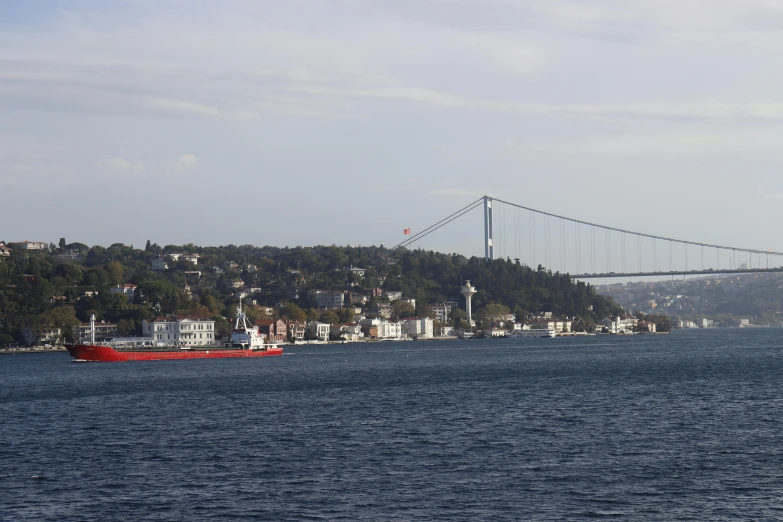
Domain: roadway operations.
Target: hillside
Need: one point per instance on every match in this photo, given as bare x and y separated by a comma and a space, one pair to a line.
61, 287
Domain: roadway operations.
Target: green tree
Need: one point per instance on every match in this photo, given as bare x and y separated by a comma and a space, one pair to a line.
126, 327
402, 309
63, 244
64, 318
329, 317
222, 327
292, 312
115, 271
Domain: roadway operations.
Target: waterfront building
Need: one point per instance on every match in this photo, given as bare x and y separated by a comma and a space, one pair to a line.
549, 324
351, 332
296, 330
275, 331
188, 330
620, 324
319, 330
40, 336
103, 331
418, 327
381, 329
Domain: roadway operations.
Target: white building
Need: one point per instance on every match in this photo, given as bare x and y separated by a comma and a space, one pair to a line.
32, 245
557, 326
328, 298
188, 330
744, 322
127, 290
4, 250
389, 330
411, 302
418, 327
381, 329
350, 332
159, 265
392, 295
40, 336
319, 330
441, 311
103, 331
620, 325
359, 272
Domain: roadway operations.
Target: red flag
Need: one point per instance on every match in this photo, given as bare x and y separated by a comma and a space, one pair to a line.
407, 231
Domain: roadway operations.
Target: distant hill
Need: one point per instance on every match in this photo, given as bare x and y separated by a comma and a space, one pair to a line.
57, 287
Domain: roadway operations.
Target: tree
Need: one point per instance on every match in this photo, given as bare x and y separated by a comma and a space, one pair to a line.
126, 327
222, 327
329, 317
663, 324
346, 315
64, 318
115, 271
402, 309
63, 244
148, 247
292, 312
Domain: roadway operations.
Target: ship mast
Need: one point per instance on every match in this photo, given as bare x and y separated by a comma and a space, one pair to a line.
241, 318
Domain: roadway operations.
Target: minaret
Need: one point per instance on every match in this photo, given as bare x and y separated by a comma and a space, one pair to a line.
468, 291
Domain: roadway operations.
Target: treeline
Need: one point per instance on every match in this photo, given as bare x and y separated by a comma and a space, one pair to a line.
63, 286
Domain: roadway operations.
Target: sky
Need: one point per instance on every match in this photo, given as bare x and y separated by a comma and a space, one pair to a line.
307, 122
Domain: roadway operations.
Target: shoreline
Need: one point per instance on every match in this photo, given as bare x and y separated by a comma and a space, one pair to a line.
58, 349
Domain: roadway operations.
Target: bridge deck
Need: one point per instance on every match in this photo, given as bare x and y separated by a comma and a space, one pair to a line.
678, 272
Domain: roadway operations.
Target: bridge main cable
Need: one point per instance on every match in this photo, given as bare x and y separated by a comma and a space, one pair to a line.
642, 234
445, 221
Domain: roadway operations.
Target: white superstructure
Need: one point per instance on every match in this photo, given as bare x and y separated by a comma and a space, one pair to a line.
532, 332
246, 336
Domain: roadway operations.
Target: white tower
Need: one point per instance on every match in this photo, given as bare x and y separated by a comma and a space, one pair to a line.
468, 291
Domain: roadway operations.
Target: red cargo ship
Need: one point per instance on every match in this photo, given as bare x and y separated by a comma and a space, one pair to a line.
87, 352
246, 341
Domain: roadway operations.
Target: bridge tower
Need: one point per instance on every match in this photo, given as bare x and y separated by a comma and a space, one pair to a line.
489, 249
468, 291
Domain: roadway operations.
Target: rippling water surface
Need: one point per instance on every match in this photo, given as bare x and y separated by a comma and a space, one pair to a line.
684, 426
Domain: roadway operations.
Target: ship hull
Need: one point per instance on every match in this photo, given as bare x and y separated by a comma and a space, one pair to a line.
93, 353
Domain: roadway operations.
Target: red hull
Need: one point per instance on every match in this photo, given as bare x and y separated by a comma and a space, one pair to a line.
83, 352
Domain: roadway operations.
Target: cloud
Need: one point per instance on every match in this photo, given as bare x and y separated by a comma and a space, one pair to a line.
121, 165
183, 107
452, 191
770, 195
182, 163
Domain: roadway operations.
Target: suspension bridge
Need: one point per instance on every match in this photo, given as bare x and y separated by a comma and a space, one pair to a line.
590, 250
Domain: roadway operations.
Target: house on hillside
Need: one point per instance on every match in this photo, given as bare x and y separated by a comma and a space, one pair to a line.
127, 290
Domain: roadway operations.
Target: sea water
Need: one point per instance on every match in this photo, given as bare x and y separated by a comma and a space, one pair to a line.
684, 426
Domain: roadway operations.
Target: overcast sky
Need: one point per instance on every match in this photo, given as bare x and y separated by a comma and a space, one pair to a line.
344, 121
